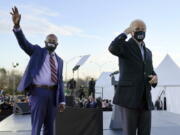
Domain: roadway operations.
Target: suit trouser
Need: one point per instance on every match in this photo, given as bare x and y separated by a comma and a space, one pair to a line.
91, 91
136, 121
43, 110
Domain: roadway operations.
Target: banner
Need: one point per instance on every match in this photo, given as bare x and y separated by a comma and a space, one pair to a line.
79, 121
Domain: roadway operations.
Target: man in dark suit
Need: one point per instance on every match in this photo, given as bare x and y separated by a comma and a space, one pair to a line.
91, 89
43, 79
137, 76
71, 85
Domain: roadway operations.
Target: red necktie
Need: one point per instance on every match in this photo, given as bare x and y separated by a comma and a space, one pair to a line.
53, 69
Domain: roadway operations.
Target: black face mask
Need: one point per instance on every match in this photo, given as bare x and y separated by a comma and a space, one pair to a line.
139, 36
51, 47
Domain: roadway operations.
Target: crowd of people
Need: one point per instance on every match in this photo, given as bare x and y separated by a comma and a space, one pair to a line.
7, 102
91, 102
81, 99
6, 105
160, 104
84, 96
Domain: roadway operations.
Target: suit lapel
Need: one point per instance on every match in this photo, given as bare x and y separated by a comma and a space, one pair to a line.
136, 48
145, 53
39, 60
45, 51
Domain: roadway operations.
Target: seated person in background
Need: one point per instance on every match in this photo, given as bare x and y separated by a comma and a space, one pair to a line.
92, 103
81, 92
103, 103
99, 102
5, 106
159, 104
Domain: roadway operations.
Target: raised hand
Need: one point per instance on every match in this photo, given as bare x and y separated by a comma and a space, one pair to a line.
16, 17
128, 30
61, 107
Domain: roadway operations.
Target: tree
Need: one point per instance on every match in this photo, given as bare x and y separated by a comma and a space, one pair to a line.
3, 77
9, 80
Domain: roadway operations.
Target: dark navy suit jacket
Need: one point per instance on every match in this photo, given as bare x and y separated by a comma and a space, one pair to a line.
133, 90
37, 58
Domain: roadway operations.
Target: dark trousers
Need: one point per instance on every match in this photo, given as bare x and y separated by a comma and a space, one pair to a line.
91, 93
136, 122
43, 111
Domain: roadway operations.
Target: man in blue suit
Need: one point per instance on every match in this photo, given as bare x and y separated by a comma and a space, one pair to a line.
42, 78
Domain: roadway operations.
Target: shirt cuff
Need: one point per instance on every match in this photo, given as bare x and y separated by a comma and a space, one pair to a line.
63, 103
16, 29
125, 33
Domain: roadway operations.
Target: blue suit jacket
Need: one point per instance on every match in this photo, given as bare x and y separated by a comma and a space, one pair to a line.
37, 58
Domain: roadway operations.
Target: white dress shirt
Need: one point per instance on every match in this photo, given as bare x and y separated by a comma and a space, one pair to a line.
44, 75
141, 47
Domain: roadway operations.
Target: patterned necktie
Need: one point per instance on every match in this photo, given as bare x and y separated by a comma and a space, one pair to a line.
53, 69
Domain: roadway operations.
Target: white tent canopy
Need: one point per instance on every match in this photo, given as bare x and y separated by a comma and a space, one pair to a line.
168, 72
168, 76
104, 84
168, 80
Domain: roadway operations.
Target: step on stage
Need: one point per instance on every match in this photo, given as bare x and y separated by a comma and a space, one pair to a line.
163, 123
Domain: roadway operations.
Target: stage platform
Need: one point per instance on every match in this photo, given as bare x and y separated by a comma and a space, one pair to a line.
163, 123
